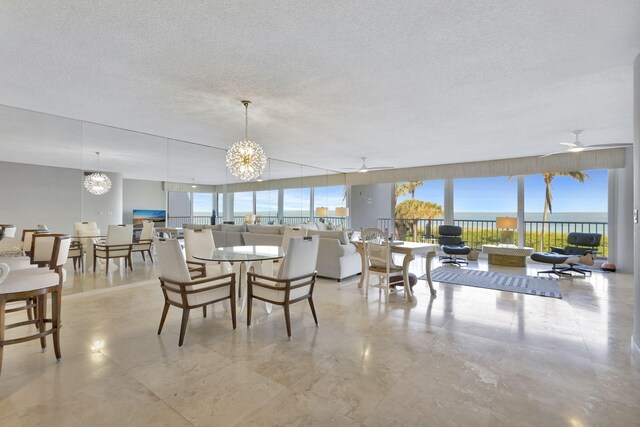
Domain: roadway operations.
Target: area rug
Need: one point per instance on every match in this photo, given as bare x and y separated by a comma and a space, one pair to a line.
541, 286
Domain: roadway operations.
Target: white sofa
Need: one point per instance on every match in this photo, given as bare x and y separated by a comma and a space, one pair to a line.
337, 257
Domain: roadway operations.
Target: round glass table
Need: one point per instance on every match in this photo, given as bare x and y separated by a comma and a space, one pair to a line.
256, 259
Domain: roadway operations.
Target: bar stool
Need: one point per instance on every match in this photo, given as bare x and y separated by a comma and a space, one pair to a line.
36, 284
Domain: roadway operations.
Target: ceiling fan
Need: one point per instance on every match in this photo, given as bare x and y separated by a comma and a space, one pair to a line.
364, 168
577, 146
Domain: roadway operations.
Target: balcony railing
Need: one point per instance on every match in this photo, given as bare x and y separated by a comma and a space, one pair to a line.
478, 232
179, 221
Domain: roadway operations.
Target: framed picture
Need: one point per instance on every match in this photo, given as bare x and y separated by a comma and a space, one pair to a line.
159, 217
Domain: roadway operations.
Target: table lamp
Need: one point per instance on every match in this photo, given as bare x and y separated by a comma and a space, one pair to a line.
249, 218
322, 212
507, 224
343, 212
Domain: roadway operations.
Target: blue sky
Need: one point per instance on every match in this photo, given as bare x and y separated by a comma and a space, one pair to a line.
499, 194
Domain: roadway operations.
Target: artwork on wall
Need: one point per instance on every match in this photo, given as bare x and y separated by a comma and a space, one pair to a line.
157, 216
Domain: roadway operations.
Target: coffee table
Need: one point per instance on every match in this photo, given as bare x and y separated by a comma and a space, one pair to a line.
507, 255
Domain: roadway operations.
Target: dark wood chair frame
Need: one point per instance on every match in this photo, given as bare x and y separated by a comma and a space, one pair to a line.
79, 259
39, 296
186, 307
108, 248
146, 248
254, 279
27, 251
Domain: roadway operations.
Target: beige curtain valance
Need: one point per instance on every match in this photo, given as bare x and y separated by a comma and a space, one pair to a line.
586, 160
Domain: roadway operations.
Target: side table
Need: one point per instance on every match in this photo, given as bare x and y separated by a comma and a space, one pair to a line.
507, 255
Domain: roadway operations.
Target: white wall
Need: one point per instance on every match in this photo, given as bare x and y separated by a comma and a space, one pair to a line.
368, 203
140, 194
32, 195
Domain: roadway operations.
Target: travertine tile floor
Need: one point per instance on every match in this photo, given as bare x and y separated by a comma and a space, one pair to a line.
468, 357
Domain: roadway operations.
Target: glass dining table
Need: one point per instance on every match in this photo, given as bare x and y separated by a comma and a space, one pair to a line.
243, 259
87, 241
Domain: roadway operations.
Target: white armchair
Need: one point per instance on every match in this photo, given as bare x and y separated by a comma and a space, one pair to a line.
118, 245
295, 281
181, 291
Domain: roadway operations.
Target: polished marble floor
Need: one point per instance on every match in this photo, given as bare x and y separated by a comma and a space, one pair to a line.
469, 356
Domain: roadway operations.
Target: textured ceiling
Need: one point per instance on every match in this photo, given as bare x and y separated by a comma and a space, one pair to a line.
404, 83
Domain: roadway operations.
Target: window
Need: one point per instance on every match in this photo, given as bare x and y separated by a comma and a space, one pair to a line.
202, 204
296, 203
578, 203
478, 202
329, 197
417, 205
267, 206
242, 203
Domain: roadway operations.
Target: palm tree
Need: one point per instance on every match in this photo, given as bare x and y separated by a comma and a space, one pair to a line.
411, 187
548, 195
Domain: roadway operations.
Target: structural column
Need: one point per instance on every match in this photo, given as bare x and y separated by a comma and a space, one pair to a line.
521, 227
448, 201
635, 339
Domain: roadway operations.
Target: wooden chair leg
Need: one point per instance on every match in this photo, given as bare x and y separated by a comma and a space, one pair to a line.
287, 319
183, 325
2, 307
204, 311
42, 314
30, 311
143, 258
94, 261
74, 264
233, 306
56, 306
313, 310
107, 268
165, 310
150, 257
249, 308
130, 263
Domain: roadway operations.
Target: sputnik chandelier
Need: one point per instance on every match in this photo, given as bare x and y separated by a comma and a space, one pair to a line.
245, 159
97, 183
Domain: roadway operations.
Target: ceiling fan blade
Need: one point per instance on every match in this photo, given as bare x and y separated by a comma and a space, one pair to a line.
380, 167
351, 169
554, 153
569, 144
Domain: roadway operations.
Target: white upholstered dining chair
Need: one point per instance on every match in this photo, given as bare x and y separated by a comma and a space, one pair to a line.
200, 243
146, 240
118, 245
294, 283
181, 291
